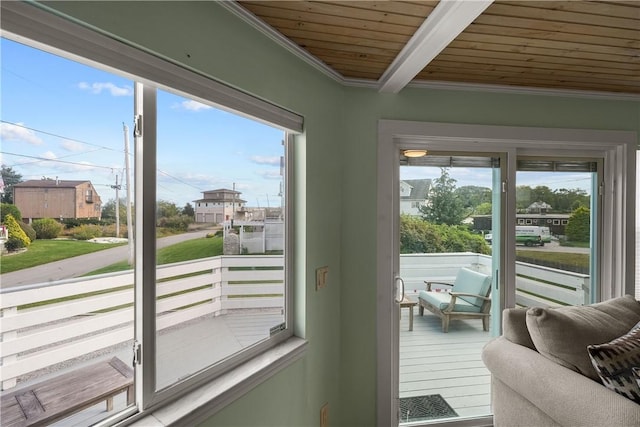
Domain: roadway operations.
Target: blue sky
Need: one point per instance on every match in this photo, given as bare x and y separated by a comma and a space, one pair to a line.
64, 119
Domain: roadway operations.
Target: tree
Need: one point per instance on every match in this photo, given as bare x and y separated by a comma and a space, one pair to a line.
10, 178
542, 193
523, 197
484, 209
471, 196
165, 209
579, 225
109, 210
443, 206
8, 208
189, 211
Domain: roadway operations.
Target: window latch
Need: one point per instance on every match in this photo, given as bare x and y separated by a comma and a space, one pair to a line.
137, 353
137, 126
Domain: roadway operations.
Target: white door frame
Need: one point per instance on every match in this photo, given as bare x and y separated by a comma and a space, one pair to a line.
617, 148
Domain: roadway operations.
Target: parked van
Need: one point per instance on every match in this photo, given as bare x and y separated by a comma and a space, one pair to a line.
532, 235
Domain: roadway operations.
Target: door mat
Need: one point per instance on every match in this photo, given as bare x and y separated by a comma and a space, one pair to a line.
422, 408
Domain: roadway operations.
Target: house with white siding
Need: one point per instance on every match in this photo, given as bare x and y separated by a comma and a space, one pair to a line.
413, 194
219, 205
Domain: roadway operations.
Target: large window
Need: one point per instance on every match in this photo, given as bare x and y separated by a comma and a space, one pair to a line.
195, 186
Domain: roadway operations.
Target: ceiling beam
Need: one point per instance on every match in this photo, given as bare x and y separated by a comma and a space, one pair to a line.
447, 20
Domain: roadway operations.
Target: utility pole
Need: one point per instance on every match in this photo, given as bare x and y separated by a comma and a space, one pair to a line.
233, 204
117, 187
128, 184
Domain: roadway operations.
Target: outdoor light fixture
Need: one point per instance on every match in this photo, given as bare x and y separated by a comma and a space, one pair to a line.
415, 153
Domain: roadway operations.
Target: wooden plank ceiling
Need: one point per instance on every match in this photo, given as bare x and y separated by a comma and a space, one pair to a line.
575, 45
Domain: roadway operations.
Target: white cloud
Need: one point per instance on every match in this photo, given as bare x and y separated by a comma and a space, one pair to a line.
71, 145
97, 88
18, 133
262, 160
270, 174
191, 105
49, 155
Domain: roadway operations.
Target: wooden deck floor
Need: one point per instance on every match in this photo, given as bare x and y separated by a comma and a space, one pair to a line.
432, 362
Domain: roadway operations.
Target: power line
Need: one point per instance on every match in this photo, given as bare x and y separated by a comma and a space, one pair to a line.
61, 136
111, 168
180, 181
61, 157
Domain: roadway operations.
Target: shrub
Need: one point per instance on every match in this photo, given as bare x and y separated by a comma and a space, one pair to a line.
110, 230
28, 230
176, 222
15, 230
8, 208
77, 222
47, 228
13, 244
86, 232
420, 236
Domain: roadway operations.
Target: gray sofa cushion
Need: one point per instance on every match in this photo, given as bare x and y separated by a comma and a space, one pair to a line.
514, 327
563, 334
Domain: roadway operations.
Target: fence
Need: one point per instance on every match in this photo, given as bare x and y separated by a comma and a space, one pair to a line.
45, 324
535, 285
42, 325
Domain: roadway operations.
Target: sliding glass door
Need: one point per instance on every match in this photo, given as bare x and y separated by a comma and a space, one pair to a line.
449, 220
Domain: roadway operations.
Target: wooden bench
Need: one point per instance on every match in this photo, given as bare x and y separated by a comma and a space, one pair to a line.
61, 396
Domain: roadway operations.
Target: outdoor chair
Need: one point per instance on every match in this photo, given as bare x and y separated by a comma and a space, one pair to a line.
467, 299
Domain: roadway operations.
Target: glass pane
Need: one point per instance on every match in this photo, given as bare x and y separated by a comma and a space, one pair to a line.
445, 229
220, 235
553, 238
67, 280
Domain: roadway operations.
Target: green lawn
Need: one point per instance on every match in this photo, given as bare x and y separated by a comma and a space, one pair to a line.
558, 258
45, 251
184, 251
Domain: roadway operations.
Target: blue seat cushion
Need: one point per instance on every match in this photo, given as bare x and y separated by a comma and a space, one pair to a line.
441, 300
472, 282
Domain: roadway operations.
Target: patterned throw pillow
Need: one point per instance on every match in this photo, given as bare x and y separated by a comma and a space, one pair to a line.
614, 361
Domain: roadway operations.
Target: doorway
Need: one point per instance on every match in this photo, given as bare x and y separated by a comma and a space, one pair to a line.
510, 144
449, 203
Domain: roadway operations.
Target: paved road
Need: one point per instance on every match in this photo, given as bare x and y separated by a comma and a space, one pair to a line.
554, 246
77, 266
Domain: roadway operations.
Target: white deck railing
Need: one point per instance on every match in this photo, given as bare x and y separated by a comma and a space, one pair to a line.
535, 285
96, 312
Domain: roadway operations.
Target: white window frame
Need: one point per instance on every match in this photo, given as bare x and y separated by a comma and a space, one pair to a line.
36, 26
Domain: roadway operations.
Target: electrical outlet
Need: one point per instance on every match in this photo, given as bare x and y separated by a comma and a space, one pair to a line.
324, 415
321, 277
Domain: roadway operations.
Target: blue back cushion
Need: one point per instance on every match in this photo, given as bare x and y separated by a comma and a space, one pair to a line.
472, 282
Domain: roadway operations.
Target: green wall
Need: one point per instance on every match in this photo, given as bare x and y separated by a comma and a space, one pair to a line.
335, 187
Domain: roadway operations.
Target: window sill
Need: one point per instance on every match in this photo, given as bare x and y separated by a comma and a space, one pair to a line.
201, 403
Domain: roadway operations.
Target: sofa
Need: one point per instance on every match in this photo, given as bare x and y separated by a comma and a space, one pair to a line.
543, 371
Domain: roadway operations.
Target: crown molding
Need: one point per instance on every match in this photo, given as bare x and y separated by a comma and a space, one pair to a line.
525, 90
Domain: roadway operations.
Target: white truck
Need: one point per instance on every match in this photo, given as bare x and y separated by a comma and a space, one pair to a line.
528, 235
531, 235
